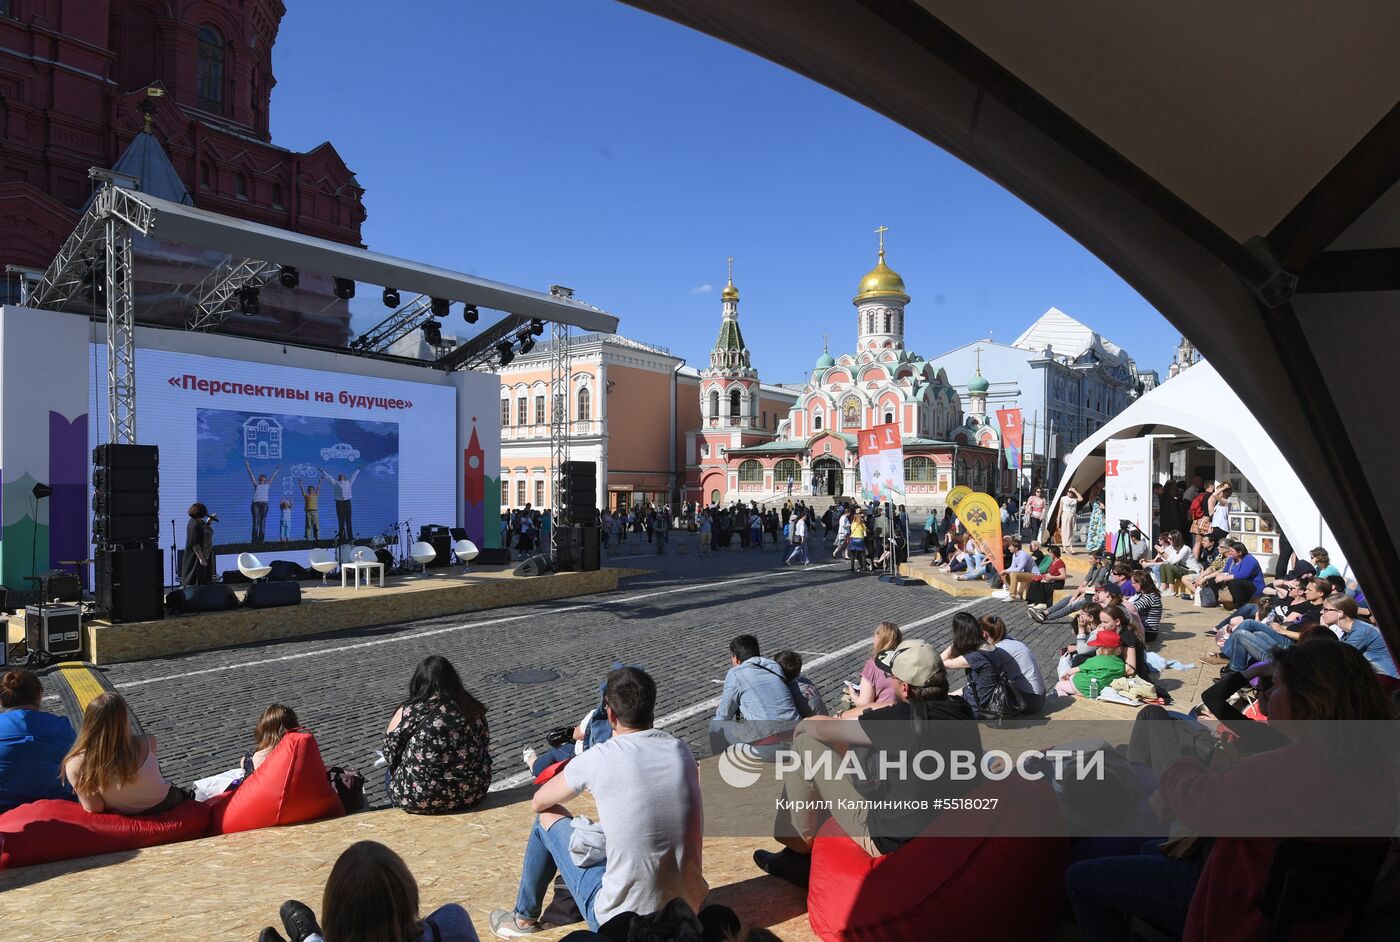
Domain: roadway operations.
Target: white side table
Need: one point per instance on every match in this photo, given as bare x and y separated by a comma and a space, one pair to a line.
361, 567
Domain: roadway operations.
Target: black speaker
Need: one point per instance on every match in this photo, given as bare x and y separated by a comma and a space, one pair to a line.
125, 528
126, 502
131, 584
118, 481
580, 549
534, 566
497, 556
111, 455
284, 570
201, 598
272, 594
580, 493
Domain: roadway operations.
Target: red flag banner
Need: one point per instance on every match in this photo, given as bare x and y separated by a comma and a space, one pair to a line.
1011, 434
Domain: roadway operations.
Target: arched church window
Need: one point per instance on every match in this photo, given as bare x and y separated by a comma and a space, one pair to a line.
584, 404
209, 85
734, 400
240, 186
714, 403
889, 418
816, 421
786, 470
889, 322
870, 323
750, 472
919, 470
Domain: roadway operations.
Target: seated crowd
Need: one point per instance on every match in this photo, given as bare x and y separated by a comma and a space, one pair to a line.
1301, 647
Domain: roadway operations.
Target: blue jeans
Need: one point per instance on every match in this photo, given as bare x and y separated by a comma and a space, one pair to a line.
1107, 892
547, 853
557, 754
1252, 641
1246, 611
800, 550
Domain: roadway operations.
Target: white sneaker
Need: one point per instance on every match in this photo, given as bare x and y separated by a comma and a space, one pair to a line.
530, 756
1002, 594
505, 926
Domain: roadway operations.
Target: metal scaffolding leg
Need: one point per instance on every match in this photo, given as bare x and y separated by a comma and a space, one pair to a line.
559, 429
121, 334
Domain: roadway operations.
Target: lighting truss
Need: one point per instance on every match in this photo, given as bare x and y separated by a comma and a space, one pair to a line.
559, 368
216, 297
101, 242
479, 353
396, 326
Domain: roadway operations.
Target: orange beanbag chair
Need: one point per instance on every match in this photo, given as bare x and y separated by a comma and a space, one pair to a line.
54, 829
951, 882
289, 787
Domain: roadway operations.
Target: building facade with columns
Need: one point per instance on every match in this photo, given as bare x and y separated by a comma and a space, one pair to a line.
813, 448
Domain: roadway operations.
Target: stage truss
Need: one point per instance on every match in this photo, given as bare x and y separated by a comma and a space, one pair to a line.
559, 368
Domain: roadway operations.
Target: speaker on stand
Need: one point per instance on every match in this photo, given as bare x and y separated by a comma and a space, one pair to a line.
129, 578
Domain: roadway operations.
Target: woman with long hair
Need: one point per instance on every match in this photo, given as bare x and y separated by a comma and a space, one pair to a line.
32, 742
1095, 537
981, 662
437, 745
371, 896
1350, 789
113, 770
1041, 592
1033, 690
856, 545
1148, 602
276, 722
876, 688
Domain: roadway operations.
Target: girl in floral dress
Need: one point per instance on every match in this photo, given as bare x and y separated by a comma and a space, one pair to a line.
437, 745
1095, 539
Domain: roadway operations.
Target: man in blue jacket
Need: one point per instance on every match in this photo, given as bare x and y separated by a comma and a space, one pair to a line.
757, 702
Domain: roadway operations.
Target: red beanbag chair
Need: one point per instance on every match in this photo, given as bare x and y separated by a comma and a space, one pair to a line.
288, 788
53, 829
946, 885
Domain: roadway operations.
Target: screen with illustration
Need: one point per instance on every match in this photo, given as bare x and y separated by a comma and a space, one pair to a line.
233, 432
323, 475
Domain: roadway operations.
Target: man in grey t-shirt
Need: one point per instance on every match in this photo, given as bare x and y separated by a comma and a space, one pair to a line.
647, 788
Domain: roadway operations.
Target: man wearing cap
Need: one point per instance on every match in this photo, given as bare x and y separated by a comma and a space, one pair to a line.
887, 740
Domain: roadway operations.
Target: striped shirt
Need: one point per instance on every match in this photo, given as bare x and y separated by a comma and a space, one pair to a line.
1149, 608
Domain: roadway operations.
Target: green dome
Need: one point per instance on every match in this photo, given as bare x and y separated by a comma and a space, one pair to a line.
824, 361
978, 384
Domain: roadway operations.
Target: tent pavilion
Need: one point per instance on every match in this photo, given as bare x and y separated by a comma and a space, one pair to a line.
1234, 163
1198, 406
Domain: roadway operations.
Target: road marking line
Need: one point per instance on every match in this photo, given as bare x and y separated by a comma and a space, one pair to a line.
670, 719
432, 632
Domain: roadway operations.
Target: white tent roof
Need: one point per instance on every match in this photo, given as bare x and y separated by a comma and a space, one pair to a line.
1198, 404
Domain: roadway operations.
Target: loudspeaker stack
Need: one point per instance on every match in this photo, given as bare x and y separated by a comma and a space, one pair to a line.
579, 549
580, 494
126, 532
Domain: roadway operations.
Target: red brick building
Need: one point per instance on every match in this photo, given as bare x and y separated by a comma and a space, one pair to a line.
73, 74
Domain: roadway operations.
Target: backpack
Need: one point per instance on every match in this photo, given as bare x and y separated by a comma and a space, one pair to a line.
1198, 506
1209, 597
1003, 701
349, 785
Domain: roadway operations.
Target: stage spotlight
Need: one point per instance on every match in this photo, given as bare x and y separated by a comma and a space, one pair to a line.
391, 297
527, 343
507, 354
441, 306
248, 300
344, 288
470, 313
432, 333
288, 277
536, 327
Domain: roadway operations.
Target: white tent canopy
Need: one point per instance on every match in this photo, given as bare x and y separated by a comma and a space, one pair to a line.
1199, 404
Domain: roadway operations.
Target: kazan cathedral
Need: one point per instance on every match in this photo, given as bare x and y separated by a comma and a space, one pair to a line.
815, 448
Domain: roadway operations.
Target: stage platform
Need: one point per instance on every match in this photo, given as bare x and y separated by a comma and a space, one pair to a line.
407, 598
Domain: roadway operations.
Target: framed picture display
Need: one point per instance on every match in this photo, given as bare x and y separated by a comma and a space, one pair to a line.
1266, 525
1249, 524
1236, 524
1266, 544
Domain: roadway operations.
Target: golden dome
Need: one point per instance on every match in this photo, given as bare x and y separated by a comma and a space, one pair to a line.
881, 282
730, 293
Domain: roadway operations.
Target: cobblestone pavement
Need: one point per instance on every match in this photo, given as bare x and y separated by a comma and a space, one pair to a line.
676, 622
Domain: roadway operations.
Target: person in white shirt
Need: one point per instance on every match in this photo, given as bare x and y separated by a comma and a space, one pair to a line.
647, 788
797, 534
262, 487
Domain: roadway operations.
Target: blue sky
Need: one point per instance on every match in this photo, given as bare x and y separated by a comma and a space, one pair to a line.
585, 143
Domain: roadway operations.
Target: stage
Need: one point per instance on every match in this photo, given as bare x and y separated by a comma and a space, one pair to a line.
328, 609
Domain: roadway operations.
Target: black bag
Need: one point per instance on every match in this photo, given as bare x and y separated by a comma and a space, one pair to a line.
1003, 701
1209, 599
349, 784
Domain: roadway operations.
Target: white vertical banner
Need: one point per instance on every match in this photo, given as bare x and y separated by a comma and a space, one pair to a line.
1127, 469
881, 463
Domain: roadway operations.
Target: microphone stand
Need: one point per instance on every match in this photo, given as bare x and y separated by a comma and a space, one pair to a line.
174, 577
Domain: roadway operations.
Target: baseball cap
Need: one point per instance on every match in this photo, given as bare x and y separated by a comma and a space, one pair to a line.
1106, 639
915, 661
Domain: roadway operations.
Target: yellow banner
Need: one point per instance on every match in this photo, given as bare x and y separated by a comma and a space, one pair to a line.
956, 495
981, 515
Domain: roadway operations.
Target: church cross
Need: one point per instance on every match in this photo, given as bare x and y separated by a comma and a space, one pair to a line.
979, 361
731, 269
881, 233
